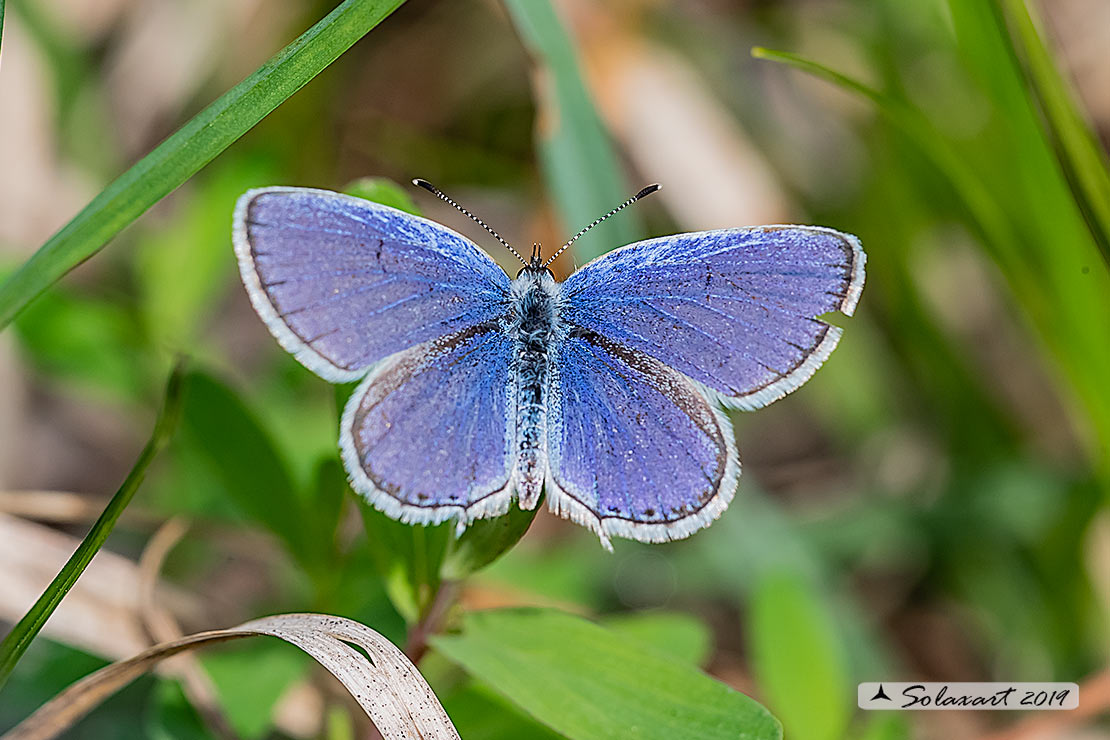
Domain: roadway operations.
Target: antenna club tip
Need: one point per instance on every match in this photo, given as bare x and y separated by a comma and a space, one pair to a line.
420, 182
648, 190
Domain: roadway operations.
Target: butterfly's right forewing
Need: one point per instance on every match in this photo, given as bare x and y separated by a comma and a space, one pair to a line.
738, 310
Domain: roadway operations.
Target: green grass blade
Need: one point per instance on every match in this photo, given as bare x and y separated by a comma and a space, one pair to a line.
577, 158
990, 218
190, 148
17, 641
1037, 237
1, 24
1078, 151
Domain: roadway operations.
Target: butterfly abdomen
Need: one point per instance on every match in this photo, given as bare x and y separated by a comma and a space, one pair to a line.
534, 317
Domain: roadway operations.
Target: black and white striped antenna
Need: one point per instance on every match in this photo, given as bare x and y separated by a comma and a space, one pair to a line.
642, 194
421, 183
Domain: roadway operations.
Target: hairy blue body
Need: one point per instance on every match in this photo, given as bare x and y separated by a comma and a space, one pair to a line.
533, 326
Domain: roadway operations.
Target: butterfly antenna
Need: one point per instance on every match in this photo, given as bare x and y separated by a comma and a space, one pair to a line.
421, 183
642, 194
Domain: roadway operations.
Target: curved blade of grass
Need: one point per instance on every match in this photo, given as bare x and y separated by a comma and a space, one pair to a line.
977, 198
387, 686
194, 145
576, 156
1, 24
1078, 151
17, 641
1071, 316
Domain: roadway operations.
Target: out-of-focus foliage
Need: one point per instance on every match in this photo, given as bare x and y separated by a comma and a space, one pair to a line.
932, 505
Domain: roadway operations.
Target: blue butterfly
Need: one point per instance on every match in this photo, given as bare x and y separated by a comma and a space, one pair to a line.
603, 390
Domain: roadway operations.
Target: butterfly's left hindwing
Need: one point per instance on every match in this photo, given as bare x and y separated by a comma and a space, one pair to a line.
426, 437
343, 283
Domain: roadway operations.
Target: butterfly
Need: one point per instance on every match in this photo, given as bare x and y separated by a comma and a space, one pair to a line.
604, 391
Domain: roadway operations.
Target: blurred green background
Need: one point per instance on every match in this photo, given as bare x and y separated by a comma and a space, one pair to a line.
932, 505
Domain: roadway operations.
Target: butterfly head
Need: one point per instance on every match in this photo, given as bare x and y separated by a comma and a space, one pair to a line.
535, 264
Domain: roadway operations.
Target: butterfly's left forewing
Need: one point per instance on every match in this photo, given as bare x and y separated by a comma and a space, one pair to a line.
343, 283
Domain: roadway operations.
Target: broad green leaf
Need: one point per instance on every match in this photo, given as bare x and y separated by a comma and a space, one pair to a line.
193, 145
16, 642
798, 662
249, 680
485, 540
382, 190
408, 558
587, 682
479, 713
218, 423
672, 634
576, 156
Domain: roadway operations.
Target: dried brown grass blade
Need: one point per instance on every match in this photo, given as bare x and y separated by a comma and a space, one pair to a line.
388, 687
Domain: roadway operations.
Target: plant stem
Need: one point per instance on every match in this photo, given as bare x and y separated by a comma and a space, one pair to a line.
432, 620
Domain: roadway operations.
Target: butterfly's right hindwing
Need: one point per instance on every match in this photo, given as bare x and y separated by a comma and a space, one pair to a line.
343, 283
635, 449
